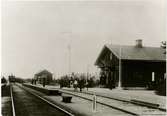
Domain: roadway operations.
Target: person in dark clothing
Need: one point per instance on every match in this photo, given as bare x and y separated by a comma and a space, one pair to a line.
44, 82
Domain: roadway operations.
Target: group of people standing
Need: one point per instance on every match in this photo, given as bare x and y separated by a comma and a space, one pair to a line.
81, 84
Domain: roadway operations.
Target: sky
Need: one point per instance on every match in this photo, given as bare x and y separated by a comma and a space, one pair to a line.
36, 35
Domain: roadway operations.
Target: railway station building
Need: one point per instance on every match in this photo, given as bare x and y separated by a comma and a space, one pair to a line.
131, 66
44, 74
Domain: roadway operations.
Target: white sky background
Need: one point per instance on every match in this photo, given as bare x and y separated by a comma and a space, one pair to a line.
36, 34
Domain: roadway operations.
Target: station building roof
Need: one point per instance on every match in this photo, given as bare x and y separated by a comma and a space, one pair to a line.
143, 53
43, 72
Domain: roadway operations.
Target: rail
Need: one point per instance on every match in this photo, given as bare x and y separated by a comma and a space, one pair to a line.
47, 101
13, 107
154, 106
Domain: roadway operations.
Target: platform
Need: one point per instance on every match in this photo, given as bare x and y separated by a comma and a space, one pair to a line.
147, 96
140, 95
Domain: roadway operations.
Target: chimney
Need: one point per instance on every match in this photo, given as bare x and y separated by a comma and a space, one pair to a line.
139, 43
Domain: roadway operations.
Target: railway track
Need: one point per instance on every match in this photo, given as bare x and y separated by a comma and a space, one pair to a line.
125, 106
111, 110
26, 103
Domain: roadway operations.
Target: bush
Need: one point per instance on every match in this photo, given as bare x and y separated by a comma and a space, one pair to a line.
81, 81
3, 80
161, 88
92, 82
64, 81
151, 86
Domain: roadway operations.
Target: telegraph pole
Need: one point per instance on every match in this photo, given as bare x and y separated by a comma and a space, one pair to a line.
119, 81
69, 65
87, 76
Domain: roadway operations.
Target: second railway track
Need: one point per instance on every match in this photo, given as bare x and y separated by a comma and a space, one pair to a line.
124, 106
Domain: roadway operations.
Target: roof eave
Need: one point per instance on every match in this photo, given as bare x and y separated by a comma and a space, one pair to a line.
144, 60
96, 62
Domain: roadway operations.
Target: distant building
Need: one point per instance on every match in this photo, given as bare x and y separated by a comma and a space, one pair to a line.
11, 78
131, 66
44, 74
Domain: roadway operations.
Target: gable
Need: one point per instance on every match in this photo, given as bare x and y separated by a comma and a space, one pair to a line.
105, 57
